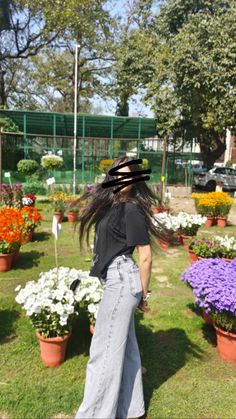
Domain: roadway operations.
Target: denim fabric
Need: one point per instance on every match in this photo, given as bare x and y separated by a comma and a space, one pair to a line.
113, 386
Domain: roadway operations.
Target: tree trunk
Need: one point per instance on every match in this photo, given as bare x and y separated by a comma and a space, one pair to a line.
3, 98
212, 148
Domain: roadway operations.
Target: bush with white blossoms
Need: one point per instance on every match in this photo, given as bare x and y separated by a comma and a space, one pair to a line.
27, 202
228, 246
184, 223
51, 161
167, 221
50, 303
90, 292
189, 224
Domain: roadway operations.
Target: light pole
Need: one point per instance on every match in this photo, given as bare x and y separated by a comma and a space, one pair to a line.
75, 117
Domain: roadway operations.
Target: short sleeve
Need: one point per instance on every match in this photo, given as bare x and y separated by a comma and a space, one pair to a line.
136, 225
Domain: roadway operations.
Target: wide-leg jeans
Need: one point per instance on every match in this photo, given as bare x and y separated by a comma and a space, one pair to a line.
114, 387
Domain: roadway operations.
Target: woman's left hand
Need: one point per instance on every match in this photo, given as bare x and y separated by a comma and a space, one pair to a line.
143, 306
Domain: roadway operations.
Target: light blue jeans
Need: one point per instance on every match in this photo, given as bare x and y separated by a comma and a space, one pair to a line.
114, 387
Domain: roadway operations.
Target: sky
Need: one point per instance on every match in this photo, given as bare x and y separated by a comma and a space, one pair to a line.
136, 107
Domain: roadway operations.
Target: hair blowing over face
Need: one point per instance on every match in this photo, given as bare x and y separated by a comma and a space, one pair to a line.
101, 199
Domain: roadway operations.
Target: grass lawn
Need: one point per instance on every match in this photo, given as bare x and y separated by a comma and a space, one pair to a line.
185, 376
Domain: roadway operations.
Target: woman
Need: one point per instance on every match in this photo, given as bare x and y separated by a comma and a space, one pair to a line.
114, 387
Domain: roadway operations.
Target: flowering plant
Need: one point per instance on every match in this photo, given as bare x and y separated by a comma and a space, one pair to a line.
212, 247
213, 282
90, 292
52, 305
12, 226
30, 196
206, 247
12, 196
27, 201
189, 224
58, 200
49, 302
32, 217
213, 204
51, 161
166, 221
73, 207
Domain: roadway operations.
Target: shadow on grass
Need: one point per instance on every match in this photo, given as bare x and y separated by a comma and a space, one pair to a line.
41, 236
7, 329
81, 337
195, 308
163, 353
27, 260
209, 334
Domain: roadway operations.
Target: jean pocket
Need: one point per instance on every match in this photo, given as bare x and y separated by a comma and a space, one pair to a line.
135, 280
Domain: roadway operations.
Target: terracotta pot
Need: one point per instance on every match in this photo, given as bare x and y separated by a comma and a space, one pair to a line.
164, 245
207, 317
192, 256
72, 217
59, 216
53, 350
209, 222
185, 240
16, 255
221, 222
157, 210
226, 344
6, 261
91, 328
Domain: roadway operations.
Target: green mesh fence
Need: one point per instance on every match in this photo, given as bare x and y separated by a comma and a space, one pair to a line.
99, 137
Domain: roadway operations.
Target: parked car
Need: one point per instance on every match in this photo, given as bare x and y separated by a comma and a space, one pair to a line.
198, 168
208, 180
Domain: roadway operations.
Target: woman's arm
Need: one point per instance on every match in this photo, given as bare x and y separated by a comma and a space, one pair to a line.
145, 265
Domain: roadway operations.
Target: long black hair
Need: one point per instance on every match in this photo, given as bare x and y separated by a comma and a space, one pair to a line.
101, 199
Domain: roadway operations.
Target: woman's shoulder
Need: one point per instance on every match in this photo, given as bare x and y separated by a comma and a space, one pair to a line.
133, 206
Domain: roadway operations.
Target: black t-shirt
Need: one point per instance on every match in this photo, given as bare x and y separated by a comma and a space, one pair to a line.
118, 232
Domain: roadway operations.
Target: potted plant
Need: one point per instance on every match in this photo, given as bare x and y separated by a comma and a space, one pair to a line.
58, 200
223, 206
12, 195
214, 285
214, 247
90, 292
189, 225
51, 306
228, 247
205, 247
168, 223
32, 219
51, 161
73, 210
28, 200
11, 233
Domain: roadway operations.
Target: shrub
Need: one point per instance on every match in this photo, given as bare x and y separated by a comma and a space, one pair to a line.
51, 161
27, 167
213, 282
36, 188
213, 204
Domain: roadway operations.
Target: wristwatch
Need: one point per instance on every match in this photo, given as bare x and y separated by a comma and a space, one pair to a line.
146, 296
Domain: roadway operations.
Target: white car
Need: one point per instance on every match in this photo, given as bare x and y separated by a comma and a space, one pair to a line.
208, 180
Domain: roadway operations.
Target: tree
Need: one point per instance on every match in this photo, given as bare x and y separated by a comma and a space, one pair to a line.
45, 59
200, 69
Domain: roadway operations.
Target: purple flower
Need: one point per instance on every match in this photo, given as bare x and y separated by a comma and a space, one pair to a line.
213, 282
